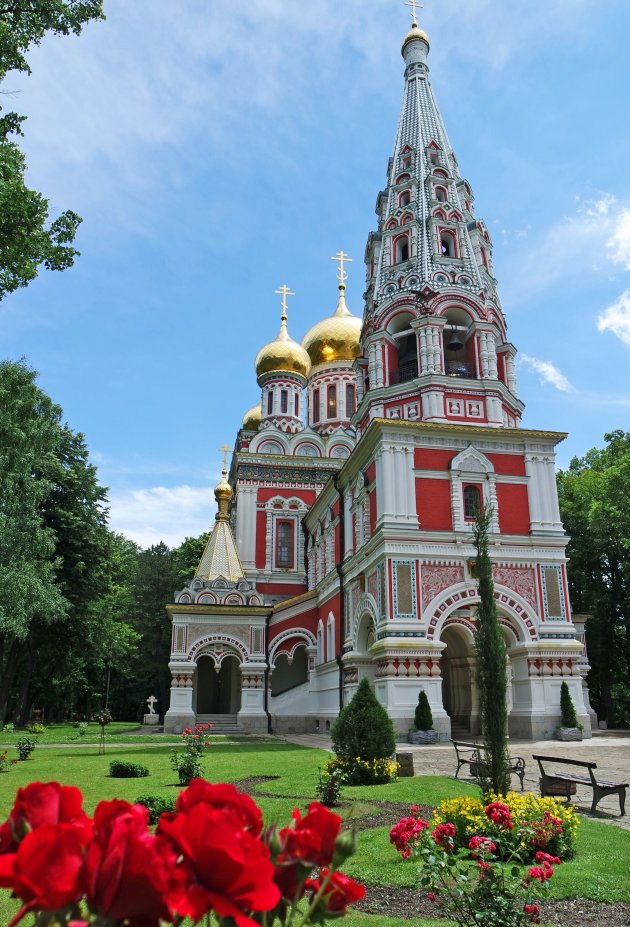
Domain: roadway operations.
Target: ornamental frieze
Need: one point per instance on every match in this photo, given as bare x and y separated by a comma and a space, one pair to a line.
521, 580
294, 475
438, 577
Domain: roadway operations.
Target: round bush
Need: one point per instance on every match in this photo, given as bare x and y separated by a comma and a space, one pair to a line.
156, 805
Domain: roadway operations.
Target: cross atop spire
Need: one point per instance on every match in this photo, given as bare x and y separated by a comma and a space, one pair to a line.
415, 5
342, 275
284, 291
225, 450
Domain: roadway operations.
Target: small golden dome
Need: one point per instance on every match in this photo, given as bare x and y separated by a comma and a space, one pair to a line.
223, 494
416, 33
336, 338
252, 418
283, 354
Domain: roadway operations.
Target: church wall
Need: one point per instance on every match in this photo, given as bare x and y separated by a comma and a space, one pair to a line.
513, 506
426, 458
508, 464
433, 504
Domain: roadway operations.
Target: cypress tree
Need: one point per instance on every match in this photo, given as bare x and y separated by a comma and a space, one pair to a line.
491, 673
567, 708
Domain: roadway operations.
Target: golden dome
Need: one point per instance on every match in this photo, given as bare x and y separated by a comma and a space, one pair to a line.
283, 354
415, 33
252, 418
336, 338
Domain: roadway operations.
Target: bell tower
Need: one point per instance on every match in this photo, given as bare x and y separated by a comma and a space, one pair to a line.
434, 334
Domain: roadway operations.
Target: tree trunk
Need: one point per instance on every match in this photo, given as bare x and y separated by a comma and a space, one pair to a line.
23, 706
9, 670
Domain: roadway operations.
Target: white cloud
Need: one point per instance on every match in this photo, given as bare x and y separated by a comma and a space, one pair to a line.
549, 373
619, 241
616, 318
161, 513
598, 232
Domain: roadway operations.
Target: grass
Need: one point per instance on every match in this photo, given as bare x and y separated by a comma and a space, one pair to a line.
116, 732
599, 871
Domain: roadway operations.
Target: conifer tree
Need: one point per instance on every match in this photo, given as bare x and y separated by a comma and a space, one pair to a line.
363, 728
423, 719
491, 670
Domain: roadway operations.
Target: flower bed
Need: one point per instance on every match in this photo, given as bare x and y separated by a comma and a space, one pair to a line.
211, 854
476, 856
538, 824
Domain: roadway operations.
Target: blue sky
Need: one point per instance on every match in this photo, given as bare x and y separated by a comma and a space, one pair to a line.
216, 150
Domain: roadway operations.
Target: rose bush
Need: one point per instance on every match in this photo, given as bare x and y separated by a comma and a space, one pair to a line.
209, 856
485, 881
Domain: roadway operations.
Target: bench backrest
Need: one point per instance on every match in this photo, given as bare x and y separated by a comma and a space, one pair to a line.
564, 761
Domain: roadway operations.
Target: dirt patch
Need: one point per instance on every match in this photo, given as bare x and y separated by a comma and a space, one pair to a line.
386, 813
410, 903
249, 784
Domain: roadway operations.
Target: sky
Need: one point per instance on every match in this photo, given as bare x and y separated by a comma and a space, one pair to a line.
217, 150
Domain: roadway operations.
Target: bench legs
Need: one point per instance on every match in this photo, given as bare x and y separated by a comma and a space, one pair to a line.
602, 793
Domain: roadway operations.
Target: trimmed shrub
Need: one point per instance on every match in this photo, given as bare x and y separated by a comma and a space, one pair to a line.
187, 766
567, 708
122, 770
25, 746
36, 728
331, 780
423, 719
362, 734
156, 805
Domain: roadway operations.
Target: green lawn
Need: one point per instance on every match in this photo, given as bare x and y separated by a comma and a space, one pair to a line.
599, 871
116, 732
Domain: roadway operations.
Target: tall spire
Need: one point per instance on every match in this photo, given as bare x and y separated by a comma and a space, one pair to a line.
427, 235
220, 557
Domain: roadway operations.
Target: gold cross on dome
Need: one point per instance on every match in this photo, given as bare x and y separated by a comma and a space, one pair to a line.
284, 291
225, 450
342, 258
415, 5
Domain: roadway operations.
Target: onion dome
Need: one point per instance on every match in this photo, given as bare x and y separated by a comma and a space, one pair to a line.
337, 338
283, 355
252, 418
416, 33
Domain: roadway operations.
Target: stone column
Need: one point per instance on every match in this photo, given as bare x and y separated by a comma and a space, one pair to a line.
252, 716
180, 713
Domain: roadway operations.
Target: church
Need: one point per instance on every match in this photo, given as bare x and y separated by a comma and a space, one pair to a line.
342, 546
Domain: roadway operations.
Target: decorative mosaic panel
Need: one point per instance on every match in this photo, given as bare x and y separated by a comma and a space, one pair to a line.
553, 593
404, 576
382, 593
179, 638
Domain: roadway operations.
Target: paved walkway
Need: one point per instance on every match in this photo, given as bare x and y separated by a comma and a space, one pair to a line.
610, 750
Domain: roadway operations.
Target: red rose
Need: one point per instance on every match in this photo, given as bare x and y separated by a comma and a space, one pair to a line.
42, 803
312, 838
45, 870
223, 867
222, 797
533, 911
443, 835
499, 813
431, 896
340, 891
127, 868
480, 844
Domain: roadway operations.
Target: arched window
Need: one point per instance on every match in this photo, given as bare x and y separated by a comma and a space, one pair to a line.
447, 245
296, 405
401, 249
406, 218
484, 258
284, 401
440, 194
405, 198
269, 402
316, 405
472, 502
320, 642
330, 638
406, 161
350, 399
284, 544
331, 402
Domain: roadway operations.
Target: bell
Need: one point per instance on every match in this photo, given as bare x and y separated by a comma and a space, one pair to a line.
454, 343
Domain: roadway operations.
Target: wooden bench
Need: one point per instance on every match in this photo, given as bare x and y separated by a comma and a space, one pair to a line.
471, 754
551, 781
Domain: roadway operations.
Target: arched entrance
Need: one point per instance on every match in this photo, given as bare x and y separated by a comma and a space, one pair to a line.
459, 693
289, 673
218, 686
365, 637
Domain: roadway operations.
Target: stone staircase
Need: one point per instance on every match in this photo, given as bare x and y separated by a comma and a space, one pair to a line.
221, 724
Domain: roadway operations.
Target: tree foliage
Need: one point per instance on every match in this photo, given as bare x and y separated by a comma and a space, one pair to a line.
567, 708
363, 728
423, 718
593, 496
28, 238
491, 672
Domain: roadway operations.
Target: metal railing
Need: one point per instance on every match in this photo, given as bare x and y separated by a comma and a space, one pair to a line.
461, 369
